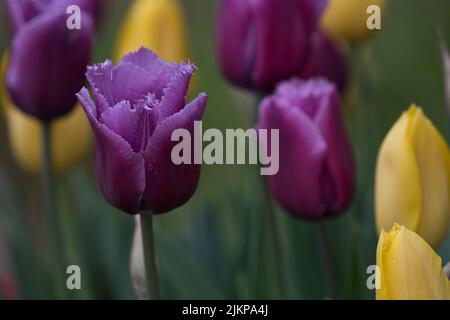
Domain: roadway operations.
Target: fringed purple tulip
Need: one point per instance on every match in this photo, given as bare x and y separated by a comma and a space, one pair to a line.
326, 59
262, 42
316, 175
47, 59
138, 104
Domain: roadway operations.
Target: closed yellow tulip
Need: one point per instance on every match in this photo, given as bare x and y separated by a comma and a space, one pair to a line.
409, 269
412, 182
347, 19
70, 135
157, 25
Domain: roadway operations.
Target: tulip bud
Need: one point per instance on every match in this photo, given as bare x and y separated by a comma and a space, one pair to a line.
260, 43
47, 59
409, 269
412, 183
316, 174
326, 59
138, 104
155, 24
347, 19
70, 134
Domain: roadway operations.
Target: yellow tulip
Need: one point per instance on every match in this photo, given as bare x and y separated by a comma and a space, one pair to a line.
70, 135
409, 269
157, 25
348, 19
412, 182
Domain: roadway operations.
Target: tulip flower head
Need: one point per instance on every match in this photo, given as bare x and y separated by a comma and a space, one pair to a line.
347, 19
138, 104
47, 60
260, 43
70, 134
412, 184
316, 174
409, 268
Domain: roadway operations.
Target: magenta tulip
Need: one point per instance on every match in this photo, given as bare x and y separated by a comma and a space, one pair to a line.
262, 42
137, 105
316, 177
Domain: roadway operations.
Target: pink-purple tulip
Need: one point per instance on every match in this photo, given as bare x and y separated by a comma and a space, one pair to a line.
326, 59
316, 174
137, 105
47, 60
262, 42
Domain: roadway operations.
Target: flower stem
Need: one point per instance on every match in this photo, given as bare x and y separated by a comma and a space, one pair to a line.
327, 261
149, 255
52, 228
274, 239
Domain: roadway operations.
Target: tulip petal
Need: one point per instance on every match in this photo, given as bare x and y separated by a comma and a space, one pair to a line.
174, 96
432, 156
398, 197
147, 60
135, 125
339, 178
100, 78
409, 268
236, 53
277, 23
169, 185
119, 171
297, 185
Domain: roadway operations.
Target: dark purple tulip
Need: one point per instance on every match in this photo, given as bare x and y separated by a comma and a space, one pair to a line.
47, 61
262, 42
326, 59
138, 104
316, 174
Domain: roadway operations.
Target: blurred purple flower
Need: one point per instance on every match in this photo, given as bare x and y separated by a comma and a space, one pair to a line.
325, 59
47, 60
262, 42
316, 178
138, 104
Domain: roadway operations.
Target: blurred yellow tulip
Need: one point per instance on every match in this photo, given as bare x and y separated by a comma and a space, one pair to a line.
157, 25
348, 19
71, 135
409, 269
412, 182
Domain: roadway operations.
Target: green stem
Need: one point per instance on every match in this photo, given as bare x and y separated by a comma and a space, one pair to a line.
52, 228
151, 273
327, 261
274, 239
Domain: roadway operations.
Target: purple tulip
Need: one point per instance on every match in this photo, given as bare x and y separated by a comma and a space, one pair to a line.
47, 60
138, 104
326, 59
316, 174
262, 42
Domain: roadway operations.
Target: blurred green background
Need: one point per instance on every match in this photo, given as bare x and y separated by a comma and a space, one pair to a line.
208, 248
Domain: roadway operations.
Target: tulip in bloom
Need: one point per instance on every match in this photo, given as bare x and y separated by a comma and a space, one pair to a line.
347, 19
326, 59
155, 24
409, 268
70, 134
316, 174
138, 104
412, 184
47, 60
260, 43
